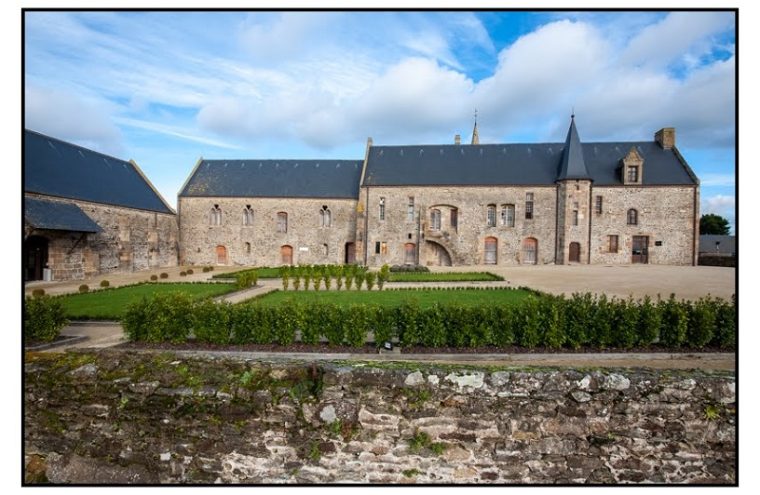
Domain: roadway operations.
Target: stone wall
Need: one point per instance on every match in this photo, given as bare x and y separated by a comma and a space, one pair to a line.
665, 214
125, 417
305, 234
130, 240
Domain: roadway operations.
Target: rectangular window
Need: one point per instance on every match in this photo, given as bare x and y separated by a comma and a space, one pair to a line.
454, 218
377, 247
410, 210
613, 241
491, 216
575, 217
383, 248
528, 206
633, 174
598, 206
382, 208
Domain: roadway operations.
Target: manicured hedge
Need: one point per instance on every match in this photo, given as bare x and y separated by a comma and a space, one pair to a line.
554, 322
44, 317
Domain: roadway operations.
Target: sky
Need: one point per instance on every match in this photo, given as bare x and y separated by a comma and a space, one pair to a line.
168, 88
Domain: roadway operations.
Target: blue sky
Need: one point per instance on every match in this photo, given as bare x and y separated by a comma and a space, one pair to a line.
167, 88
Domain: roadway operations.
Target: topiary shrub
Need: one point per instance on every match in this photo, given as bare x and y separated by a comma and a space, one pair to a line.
182, 274
369, 279
164, 275
206, 269
44, 317
38, 292
84, 288
154, 278
190, 271
104, 283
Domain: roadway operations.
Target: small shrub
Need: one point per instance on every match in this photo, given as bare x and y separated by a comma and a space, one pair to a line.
528, 320
552, 315
357, 321
358, 279
675, 322
626, 315
104, 283
84, 288
327, 275
212, 322
247, 279
44, 317
153, 278
190, 271
182, 274
211, 268
725, 325
206, 269
701, 323
164, 275
382, 276
649, 322
38, 292
163, 318
369, 279
284, 273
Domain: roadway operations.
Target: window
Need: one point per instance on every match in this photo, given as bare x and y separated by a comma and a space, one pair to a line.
435, 219
410, 210
282, 222
325, 249
508, 215
383, 248
247, 248
382, 208
377, 247
633, 174
575, 217
633, 217
491, 216
325, 217
454, 218
247, 215
598, 206
613, 243
528, 206
215, 217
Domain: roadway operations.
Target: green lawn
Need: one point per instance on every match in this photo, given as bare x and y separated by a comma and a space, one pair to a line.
264, 272
443, 277
110, 304
425, 297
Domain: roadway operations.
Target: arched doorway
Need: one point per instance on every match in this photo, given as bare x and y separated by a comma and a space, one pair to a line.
221, 255
529, 251
286, 255
575, 253
35, 257
491, 246
441, 256
350, 253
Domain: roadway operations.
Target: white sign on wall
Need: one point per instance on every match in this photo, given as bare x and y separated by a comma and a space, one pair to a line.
304, 249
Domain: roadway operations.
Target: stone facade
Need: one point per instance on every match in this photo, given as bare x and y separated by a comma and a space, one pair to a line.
130, 240
261, 242
120, 417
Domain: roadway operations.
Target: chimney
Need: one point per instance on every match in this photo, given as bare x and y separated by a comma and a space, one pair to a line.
666, 137
457, 139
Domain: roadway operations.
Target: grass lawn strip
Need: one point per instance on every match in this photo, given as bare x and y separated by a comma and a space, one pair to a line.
110, 304
425, 298
443, 277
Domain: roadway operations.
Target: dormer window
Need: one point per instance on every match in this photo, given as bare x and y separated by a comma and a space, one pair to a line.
633, 174
633, 167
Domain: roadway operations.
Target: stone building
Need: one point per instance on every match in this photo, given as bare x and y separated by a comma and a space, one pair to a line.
86, 214
502, 204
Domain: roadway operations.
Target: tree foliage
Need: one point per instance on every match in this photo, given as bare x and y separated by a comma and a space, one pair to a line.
713, 224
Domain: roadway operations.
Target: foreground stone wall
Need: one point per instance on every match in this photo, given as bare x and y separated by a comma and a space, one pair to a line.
118, 417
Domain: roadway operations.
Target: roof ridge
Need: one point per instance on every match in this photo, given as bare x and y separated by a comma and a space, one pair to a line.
77, 146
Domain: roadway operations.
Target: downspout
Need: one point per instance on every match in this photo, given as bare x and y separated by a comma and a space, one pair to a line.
366, 225
556, 225
590, 216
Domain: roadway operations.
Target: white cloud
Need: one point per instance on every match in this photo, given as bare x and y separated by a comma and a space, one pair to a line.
174, 131
723, 205
717, 180
69, 117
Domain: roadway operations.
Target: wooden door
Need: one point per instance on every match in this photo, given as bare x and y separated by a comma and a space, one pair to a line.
640, 249
286, 255
575, 252
529, 251
221, 255
350, 253
490, 251
409, 253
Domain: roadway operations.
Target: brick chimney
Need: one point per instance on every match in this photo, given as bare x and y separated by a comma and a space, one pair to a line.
666, 137
457, 139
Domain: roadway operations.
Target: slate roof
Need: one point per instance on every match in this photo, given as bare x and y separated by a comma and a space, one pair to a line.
516, 164
707, 244
572, 165
62, 169
54, 215
275, 179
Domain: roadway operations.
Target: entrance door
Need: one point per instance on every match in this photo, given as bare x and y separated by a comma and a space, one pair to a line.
221, 255
35, 257
350, 253
286, 255
409, 253
490, 251
640, 251
575, 252
529, 251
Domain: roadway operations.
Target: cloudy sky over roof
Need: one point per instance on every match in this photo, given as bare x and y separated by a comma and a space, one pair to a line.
167, 88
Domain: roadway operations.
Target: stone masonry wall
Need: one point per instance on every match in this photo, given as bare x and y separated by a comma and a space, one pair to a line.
130, 240
199, 239
666, 214
125, 417
466, 244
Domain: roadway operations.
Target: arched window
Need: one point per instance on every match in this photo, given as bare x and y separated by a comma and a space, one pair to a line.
435, 219
282, 222
508, 215
215, 216
247, 248
633, 217
490, 250
491, 216
325, 217
382, 208
247, 215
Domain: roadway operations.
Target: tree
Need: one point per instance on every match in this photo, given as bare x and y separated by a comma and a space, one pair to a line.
713, 224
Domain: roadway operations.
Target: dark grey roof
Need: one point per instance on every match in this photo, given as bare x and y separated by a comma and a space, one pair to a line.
58, 168
717, 244
572, 165
515, 164
275, 178
54, 215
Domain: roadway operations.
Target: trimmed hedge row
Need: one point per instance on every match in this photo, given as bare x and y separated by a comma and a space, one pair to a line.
547, 321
